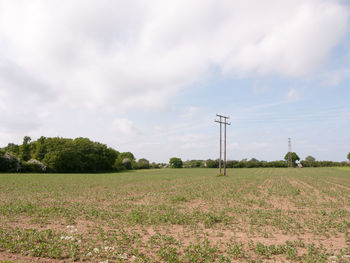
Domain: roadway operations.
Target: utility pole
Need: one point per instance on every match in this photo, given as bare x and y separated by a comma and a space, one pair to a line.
220, 143
222, 120
290, 152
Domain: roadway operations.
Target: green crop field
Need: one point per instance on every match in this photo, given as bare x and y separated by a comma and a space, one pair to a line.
177, 215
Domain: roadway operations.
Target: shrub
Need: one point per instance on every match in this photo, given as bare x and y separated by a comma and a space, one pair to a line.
9, 163
33, 166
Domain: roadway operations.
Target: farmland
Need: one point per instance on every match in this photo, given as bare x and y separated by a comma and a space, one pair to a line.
177, 215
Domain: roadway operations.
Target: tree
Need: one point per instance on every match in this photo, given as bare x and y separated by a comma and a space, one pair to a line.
128, 155
193, 163
63, 155
127, 163
295, 158
78, 155
143, 164
125, 156
40, 150
210, 163
25, 149
175, 162
253, 163
12, 148
310, 159
118, 165
349, 156
232, 163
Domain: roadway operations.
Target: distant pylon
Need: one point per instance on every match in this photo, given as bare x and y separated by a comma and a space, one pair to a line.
290, 152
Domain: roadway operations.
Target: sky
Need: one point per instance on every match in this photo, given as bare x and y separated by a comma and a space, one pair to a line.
150, 76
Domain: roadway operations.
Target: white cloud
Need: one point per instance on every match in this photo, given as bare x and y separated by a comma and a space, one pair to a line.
121, 55
66, 63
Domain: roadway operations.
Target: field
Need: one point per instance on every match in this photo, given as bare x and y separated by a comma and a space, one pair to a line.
177, 215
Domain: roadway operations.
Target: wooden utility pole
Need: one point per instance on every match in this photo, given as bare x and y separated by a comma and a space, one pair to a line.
290, 153
222, 120
225, 149
220, 143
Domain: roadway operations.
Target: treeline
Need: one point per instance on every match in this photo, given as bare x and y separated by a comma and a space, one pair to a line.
254, 163
63, 155
323, 164
81, 155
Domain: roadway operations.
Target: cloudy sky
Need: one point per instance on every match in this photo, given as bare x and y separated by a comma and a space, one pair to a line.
149, 76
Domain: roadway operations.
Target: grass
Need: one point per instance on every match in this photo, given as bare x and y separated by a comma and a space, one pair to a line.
178, 215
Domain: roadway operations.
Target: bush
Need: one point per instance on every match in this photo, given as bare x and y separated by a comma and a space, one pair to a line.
9, 163
33, 166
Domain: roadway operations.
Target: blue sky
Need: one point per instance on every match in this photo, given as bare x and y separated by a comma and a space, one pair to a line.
149, 77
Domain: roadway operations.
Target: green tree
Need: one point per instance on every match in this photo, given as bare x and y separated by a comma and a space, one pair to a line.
63, 159
127, 163
25, 149
143, 164
295, 158
310, 159
12, 148
349, 156
64, 155
253, 163
210, 163
193, 164
128, 160
128, 155
78, 155
175, 162
40, 150
118, 165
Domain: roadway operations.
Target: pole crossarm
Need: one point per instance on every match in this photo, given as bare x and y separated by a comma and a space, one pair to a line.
227, 123
226, 117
